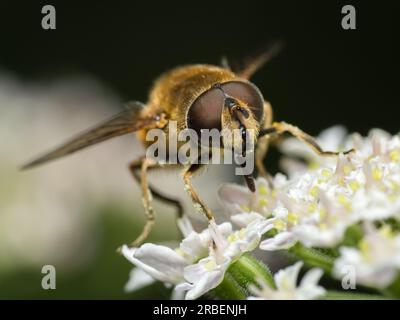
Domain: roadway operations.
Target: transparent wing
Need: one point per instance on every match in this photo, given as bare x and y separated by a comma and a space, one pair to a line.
254, 62
122, 123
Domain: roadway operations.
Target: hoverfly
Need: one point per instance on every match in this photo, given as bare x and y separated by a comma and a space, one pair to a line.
196, 97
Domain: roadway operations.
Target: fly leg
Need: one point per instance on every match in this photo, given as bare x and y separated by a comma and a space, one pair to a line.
282, 127
147, 192
197, 202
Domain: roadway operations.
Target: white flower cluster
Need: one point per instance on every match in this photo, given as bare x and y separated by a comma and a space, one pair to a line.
317, 204
199, 263
314, 206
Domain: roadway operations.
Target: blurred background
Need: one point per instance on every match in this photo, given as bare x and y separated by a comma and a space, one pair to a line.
74, 213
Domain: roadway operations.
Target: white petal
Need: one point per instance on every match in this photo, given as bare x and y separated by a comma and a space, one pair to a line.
138, 278
245, 218
209, 281
194, 247
185, 226
224, 229
312, 236
233, 193
194, 272
282, 240
380, 278
232, 196
310, 293
309, 288
160, 262
311, 277
286, 279
217, 236
179, 291
261, 225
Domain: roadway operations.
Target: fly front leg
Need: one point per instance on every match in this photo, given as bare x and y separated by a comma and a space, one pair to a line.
278, 128
197, 202
282, 127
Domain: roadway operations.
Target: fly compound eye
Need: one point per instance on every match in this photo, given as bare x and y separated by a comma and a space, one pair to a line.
205, 112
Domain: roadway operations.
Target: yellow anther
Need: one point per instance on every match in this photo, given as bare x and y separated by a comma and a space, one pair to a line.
292, 218
279, 224
394, 155
245, 208
232, 237
344, 201
326, 173
312, 207
394, 186
377, 174
263, 202
346, 169
262, 190
365, 248
322, 213
314, 191
242, 233
386, 231
354, 185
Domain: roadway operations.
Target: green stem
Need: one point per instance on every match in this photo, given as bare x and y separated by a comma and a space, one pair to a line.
313, 257
340, 295
229, 289
247, 270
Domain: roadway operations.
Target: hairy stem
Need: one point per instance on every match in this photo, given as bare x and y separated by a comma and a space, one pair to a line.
247, 270
229, 289
313, 257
